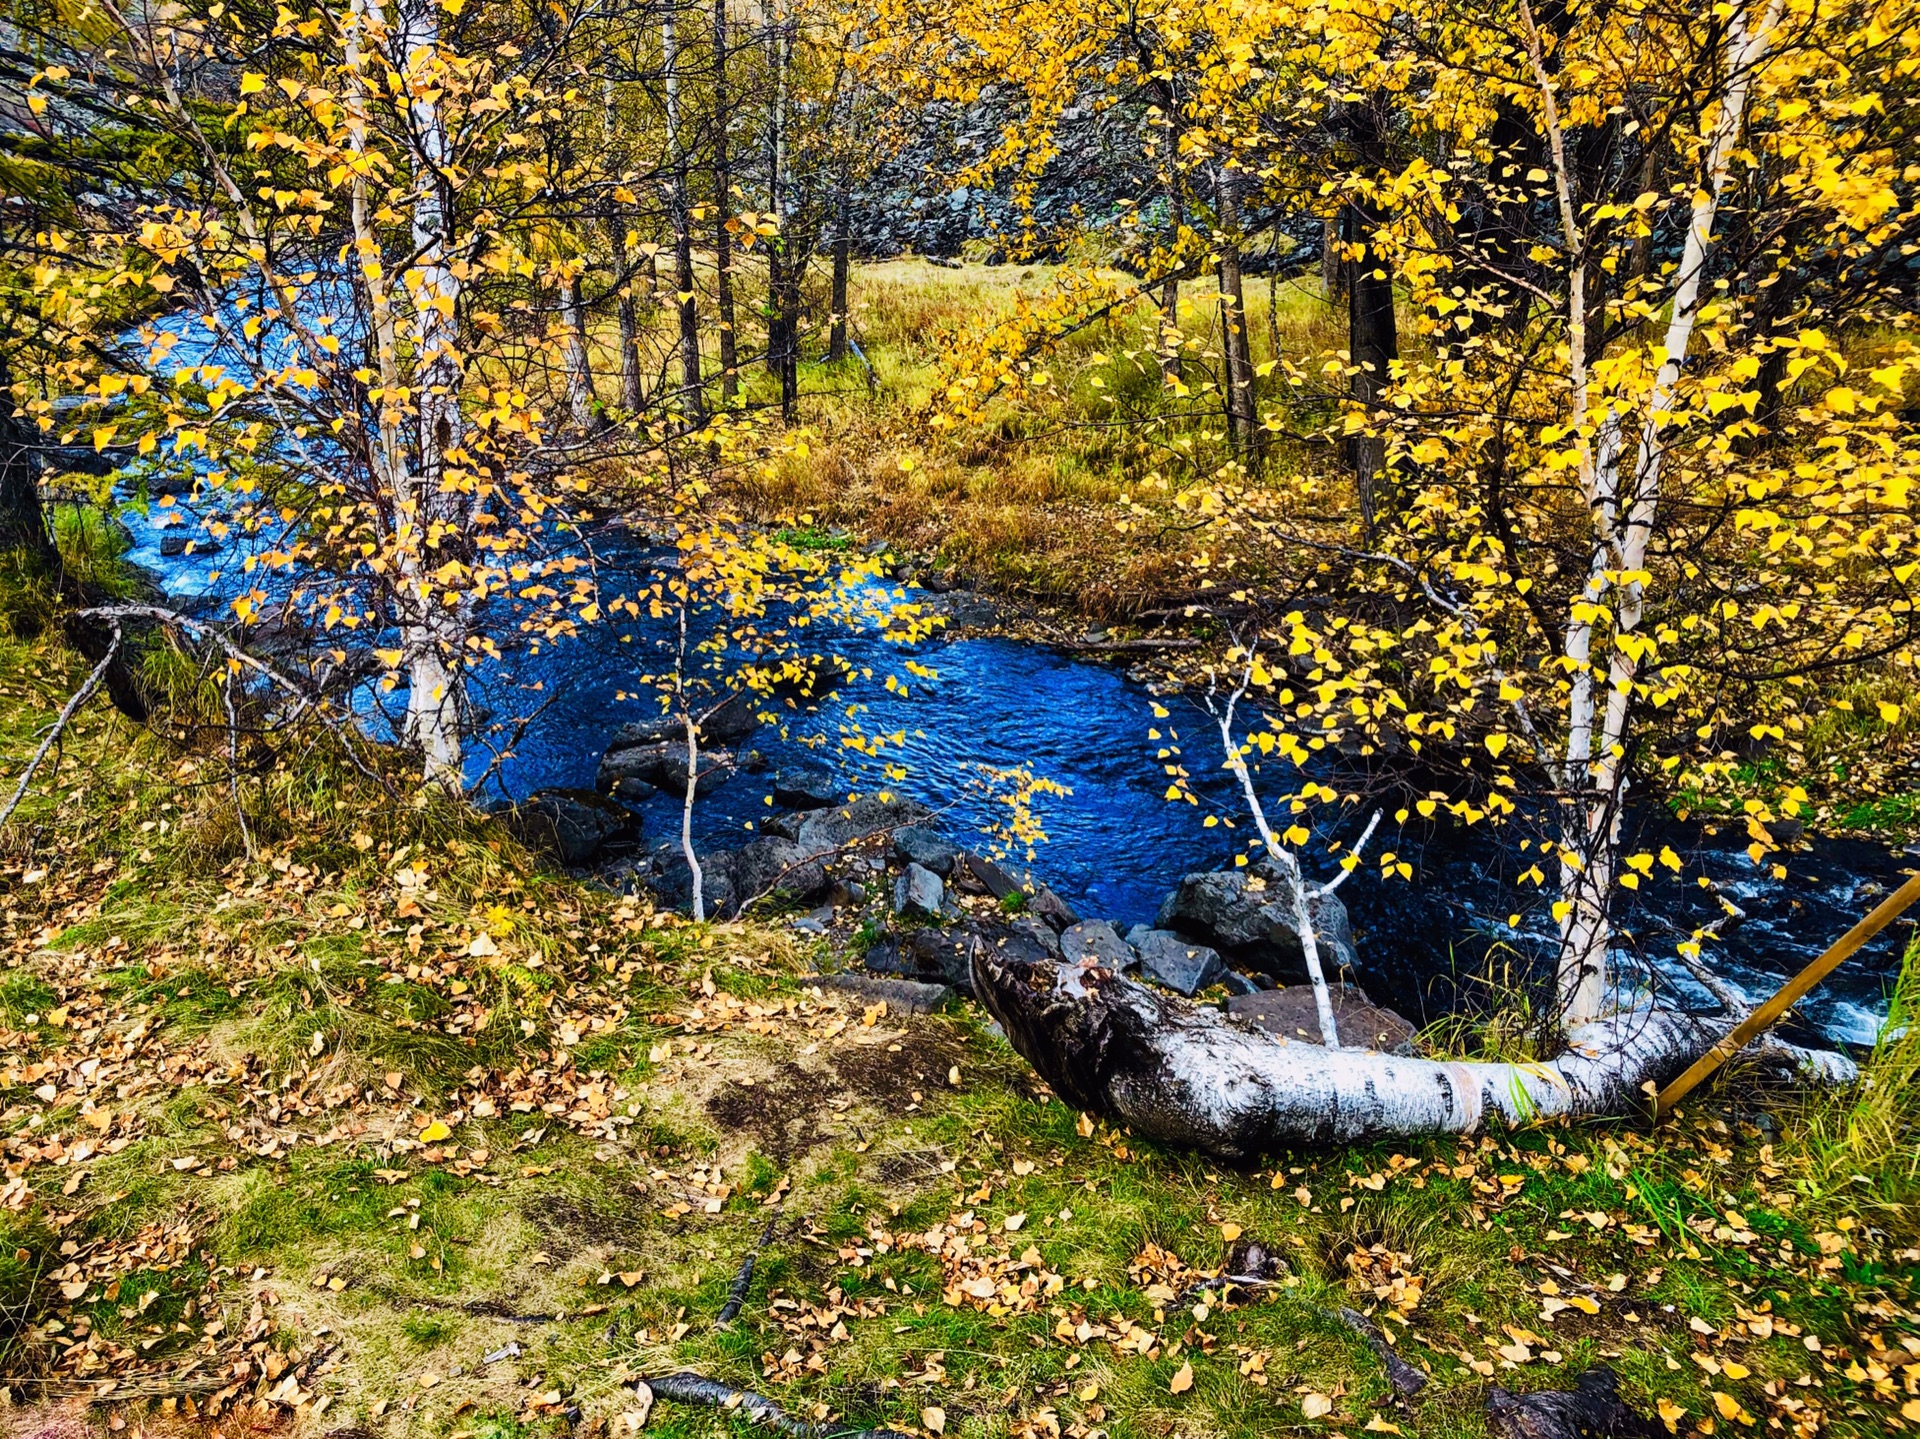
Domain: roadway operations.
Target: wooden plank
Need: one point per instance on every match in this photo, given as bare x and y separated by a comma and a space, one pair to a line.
1789, 994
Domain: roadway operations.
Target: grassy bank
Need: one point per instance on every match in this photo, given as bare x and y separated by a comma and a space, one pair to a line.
383, 1127
1022, 498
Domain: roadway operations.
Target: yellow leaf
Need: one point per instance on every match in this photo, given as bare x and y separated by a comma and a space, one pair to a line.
1229, 1231
1671, 1414
1889, 712
1183, 1381
435, 1132
1495, 744
1316, 1406
935, 1419
1377, 1425
252, 84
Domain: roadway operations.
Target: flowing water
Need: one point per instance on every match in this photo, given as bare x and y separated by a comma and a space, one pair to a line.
1114, 845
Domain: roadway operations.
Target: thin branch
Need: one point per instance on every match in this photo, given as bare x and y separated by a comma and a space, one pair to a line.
1352, 861
72, 707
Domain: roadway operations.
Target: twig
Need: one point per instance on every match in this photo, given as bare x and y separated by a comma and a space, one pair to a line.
72, 707
743, 1281
1354, 854
1406, 1380
233, 761
689, 1388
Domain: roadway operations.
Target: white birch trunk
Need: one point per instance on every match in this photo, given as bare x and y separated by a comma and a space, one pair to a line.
1625, 509
1186, 1074
1288, 866
431, 630
696, 878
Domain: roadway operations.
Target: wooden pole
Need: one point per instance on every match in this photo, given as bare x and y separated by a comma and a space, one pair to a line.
1888, 910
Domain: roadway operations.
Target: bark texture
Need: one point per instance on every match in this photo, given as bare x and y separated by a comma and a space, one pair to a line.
1185, 1074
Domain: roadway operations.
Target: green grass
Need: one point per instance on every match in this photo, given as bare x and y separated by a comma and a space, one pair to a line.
418, 1271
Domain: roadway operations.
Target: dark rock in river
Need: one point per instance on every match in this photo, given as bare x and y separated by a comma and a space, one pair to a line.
1246, 914
172, 546
923, 847
1292, 1014
978, 875
800, 786
1095, 941
1177, 963
826, 830
571, 825
664, 765
732, 720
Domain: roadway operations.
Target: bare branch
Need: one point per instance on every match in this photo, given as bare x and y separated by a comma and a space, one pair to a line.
72, 707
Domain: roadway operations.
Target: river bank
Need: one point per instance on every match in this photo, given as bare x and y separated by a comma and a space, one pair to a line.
399, 1131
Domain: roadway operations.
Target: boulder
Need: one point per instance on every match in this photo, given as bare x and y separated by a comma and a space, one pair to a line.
977, 874
1053, 909
944, 955
1292, 1014
931, 956
1244, 913
636, 734
825, 830
570, 825
920, 845
1034, 931
775, 866
1095, 941
1177, 963
808, 677
632, 790
804, 786
731, 720
644, 763
918, 891
667, 877
664, 766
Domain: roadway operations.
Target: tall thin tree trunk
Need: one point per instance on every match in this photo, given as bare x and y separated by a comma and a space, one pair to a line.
1273, 308
693, 401
1625, 507
1333, 266
581, 399
793, 261
1241, 420
723, 202
432, 631
1372, 336
842, 266
1170, 345
23, 522
633, 395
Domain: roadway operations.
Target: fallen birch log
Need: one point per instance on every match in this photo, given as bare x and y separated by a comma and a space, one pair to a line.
1186, 1074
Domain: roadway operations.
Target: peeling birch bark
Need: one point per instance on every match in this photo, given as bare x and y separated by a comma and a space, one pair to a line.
1185, 1074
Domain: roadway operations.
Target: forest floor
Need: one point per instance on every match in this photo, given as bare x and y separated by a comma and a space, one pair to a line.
382, 1130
